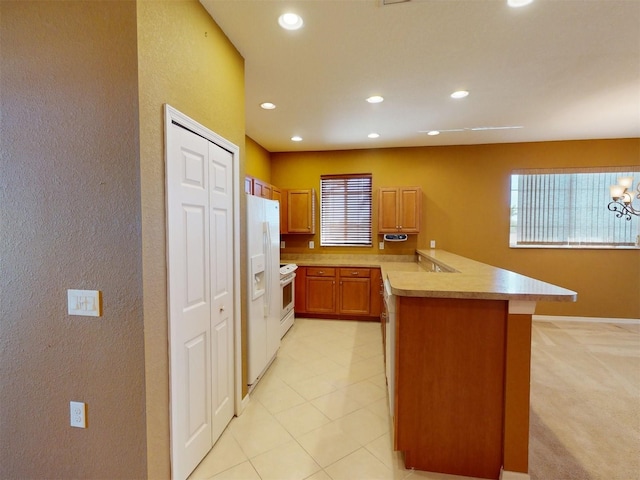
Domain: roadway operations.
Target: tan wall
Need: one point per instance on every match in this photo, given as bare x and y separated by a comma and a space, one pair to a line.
70, 191
258, 161
186, 61
466, 210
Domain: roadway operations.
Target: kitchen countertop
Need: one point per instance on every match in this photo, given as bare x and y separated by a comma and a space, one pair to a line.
412, 276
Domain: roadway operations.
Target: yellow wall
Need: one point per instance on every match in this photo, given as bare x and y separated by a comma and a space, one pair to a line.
69, 176
186, 61
258, 161
466, 210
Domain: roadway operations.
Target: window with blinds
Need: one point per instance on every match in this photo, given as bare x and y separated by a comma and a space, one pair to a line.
564, 208
345, 210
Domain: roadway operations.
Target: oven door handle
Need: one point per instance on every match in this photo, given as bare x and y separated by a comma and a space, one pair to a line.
287, 280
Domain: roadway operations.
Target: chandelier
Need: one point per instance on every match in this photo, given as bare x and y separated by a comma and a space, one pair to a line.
622, 198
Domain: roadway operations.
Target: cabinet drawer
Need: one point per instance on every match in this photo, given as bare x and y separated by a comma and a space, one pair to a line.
321, 272
355, 272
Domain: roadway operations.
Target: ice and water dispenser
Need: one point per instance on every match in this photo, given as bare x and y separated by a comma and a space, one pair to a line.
258, 275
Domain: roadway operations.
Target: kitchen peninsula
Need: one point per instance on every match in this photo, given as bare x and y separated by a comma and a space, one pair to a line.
460, 346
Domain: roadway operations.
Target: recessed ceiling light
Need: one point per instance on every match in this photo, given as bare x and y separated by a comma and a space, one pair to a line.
433, 132
296, 138
459, 94
518, 3
290, 21
375, 99
268, 105
373, 135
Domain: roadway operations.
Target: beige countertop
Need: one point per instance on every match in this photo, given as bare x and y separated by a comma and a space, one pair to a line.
412, 276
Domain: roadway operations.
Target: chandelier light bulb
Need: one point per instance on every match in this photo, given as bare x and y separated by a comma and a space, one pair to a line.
626, 182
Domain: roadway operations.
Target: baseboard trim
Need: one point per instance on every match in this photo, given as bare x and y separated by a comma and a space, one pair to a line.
507, 475
552, 318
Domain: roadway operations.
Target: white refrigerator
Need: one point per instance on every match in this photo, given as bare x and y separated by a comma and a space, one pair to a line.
263, 292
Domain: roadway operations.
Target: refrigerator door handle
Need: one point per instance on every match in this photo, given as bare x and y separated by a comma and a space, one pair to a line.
266, 241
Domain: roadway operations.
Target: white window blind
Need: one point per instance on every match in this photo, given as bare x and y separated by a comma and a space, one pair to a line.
345, 210
560, 208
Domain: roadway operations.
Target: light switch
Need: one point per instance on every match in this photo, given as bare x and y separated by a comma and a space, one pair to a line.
84, 302
312, 244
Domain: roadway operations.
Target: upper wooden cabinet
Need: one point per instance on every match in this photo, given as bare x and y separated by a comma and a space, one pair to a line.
301, 207
261, 189
399, 209
255, 186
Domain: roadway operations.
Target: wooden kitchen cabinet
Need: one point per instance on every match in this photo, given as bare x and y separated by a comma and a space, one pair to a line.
261, 189
321, 290
301, 207
458, 346
340, 293
354, 291
276, 194
399, 209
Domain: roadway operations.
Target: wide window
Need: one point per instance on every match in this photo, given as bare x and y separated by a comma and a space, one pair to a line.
564, 208
345, 210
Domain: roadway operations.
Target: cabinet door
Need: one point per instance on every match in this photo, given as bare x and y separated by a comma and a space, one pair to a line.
276, 193
321, 294
248, 185
399, 209
354, 295
388, 210
261, 189
409, 209
301, 211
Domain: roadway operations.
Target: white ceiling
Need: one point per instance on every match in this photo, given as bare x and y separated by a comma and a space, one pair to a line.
560, 69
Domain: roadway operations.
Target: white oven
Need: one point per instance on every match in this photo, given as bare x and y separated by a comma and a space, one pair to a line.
287, 296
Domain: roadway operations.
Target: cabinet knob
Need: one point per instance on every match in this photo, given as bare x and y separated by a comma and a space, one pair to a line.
355, 273
321, 272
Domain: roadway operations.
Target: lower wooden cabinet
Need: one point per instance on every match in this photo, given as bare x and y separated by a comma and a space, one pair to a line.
354, 291
320, 290
345, 292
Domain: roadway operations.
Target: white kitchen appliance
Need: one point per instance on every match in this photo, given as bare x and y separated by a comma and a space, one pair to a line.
287, 289
264, 301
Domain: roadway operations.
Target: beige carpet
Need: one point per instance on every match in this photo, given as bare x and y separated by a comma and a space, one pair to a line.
585, 401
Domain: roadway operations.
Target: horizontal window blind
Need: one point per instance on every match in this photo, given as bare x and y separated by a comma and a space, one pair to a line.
345, 210
568, 208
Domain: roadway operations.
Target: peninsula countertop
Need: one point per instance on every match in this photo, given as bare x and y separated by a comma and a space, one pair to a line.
441, 274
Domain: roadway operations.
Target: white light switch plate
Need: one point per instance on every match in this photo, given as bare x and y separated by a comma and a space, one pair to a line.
84, 302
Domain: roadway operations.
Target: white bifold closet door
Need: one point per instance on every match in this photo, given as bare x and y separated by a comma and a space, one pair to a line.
201, 304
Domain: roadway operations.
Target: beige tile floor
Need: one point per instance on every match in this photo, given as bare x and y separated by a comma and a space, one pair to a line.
319, 413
